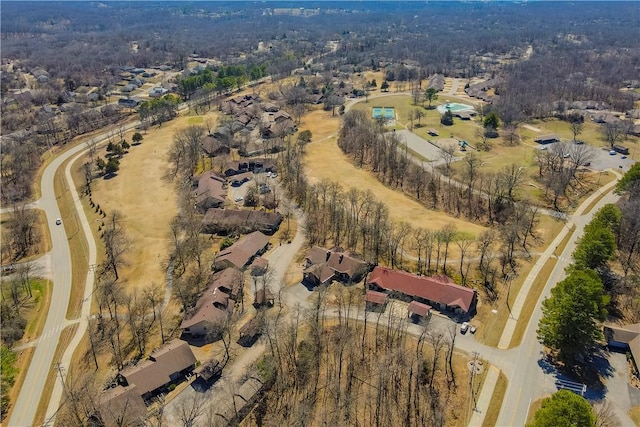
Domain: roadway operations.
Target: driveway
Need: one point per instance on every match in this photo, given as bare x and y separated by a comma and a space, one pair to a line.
602, 160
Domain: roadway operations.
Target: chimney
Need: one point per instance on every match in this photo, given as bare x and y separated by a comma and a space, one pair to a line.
341, 258
328, 256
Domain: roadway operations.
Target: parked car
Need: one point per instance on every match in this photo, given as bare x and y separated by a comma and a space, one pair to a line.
472, 329
239, 199
612, 152
464, 327
58, 221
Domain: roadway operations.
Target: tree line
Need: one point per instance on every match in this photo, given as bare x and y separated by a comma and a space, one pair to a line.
347, 371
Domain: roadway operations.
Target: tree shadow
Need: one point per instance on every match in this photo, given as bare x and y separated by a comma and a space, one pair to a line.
109, 176
592, 372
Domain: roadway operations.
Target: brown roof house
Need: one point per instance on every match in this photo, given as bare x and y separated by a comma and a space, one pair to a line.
214, 305
165, 365
626, 337
242, 252
418, 312
211, 190
322, 266
225, 221
375, 301
437, 291
121, 406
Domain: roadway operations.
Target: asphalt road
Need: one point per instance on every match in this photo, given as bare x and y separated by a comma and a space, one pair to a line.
533, 377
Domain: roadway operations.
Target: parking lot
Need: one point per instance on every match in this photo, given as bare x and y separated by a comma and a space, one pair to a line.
603, 159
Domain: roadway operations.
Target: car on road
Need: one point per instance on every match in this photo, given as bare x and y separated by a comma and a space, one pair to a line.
239, 199
612, 152
464, 327
58, 221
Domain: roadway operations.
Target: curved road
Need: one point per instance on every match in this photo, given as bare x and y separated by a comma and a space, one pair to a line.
31, 391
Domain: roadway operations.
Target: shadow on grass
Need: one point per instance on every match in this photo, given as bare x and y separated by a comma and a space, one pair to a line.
593, 373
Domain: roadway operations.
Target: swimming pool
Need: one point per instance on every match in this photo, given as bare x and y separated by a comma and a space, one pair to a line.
455, 107
388, 113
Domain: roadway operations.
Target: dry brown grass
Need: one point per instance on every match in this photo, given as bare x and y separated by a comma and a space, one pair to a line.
496, 401
634, 413
35, 312
325, 160
146, 202
533, 408
65, 338
42, 228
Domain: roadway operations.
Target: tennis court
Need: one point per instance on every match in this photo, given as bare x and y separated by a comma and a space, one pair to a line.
388, 113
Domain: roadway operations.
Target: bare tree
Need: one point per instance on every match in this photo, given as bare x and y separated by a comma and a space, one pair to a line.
116, 243
190, 408
611, 132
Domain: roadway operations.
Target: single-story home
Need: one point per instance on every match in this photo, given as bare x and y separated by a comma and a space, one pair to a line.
626, 337
437, 291
242, 252
211, 191
251, 331
165, 365
215, 304
212, 368
323, 265
250, 165
224, 221
214, 147
121, 406
263, 297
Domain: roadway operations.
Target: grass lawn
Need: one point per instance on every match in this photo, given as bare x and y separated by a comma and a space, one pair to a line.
325, 160
146, 202
36, 314
634, 413
65, 338
493, 411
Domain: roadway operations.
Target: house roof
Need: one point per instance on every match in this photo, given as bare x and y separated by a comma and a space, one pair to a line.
122, 406
205, 310
210, 184
419, 308
375, 297
253, 327
229, 278
240, 253
333, 261
440, 289
222, 219
150, 374
627, 334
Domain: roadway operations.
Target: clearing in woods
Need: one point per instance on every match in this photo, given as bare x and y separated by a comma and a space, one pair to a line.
324, 159
147, 202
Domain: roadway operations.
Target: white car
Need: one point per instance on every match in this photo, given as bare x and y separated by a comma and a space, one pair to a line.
239, 199
58, 221
464, 327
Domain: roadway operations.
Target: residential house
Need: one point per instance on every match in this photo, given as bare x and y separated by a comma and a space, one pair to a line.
211, 190
242, 252
167, 364
626, 337
375, 301
250, 165
121, 406
437, 291
436, 82
322, 266
215, 304
225, 221
213, 147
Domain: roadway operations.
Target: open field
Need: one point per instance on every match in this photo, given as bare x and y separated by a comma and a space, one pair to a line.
634, 413
325, 160
146, 202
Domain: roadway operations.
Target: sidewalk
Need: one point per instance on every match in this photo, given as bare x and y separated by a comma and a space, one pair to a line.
510, 326
484, 400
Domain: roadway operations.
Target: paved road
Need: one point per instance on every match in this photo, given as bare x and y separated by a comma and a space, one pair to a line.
533, 377
31, 392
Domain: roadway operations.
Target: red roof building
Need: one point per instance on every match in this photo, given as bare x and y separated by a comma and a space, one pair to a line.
437, 291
